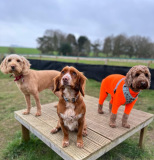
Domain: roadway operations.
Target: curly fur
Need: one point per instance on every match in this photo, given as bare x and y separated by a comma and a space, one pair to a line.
32, 82
22, 66
138, 77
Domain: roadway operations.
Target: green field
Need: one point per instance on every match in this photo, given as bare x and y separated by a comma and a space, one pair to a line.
111, 63
34, 51
17, 50
12, 147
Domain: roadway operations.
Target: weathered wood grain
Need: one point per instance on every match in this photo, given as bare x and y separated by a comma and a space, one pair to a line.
101, 138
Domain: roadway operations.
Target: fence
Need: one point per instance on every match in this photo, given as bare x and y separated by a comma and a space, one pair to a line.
96, 72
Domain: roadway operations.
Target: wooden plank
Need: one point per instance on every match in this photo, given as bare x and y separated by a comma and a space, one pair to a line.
90, 144
101, 122
101, 138
41, 130
117, 141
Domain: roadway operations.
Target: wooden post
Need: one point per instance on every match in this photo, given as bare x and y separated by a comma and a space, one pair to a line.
25, 133
106, 61
149, 62
142, 137
77, 59
56, 58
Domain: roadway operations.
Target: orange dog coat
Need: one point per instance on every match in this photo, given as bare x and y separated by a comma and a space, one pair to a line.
117, 98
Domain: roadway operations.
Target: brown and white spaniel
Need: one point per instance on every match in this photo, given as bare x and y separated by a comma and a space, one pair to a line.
71, 108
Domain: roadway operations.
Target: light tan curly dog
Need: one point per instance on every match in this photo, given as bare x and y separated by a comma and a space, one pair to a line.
123, 90
29, 81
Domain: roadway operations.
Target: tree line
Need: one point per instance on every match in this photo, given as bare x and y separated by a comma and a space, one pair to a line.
112, 46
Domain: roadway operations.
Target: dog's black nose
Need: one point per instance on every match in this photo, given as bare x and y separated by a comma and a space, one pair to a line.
13, 67
144, 85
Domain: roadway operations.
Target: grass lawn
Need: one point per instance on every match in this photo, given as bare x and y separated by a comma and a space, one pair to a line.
12, 147
19, 50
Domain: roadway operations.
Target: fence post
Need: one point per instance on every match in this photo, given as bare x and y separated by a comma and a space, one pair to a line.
106, 61
149, 62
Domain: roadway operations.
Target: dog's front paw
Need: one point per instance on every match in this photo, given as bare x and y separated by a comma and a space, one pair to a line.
65, 143
112, 125
25, 113
126, 125
100, 109
80, 144
55, 130
38, 114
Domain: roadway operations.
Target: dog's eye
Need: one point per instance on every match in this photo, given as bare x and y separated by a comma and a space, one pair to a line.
62, 72
18, 60
137, 74
74, 73
9, 60
146, 74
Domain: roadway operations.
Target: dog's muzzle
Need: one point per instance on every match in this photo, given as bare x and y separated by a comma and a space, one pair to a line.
65, 80
142, 85
13, 68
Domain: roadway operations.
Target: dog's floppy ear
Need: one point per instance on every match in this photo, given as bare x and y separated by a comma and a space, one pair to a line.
129, 78
3, 66
82, 83
26, 65
56, 84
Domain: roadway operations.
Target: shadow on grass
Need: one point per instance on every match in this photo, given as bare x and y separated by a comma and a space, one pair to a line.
35, 149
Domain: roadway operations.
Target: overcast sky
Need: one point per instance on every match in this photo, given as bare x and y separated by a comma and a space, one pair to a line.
23, 21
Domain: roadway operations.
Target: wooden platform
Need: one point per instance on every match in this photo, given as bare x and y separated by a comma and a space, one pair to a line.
101, 138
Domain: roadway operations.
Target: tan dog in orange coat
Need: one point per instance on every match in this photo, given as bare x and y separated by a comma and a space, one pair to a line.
71, 108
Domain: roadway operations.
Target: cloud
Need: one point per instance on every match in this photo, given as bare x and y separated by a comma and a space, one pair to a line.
22, 22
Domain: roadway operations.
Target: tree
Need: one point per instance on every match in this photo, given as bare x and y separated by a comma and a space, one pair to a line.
65, 49
45, 44
51, 41
108, 45
70, 39
142, 46
83, 45
119, 45
128, 48
95, 47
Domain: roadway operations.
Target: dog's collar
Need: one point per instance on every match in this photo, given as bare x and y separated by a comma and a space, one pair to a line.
127, 95
126, 92
72, 100
17, 78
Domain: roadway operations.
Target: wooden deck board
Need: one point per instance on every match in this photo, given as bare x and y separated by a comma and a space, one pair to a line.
101, 138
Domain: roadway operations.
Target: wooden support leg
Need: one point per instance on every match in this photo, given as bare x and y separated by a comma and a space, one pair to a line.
25, 133
142, 137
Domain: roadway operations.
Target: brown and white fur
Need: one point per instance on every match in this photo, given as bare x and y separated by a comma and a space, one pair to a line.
29, 81
71, 108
